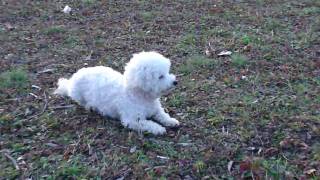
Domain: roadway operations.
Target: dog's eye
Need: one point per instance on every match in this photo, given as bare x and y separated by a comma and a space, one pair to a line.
161, 77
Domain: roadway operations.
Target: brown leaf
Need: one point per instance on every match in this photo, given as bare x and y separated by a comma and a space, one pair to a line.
245, 166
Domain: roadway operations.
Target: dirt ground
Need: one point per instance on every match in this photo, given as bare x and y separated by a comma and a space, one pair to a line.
254, 114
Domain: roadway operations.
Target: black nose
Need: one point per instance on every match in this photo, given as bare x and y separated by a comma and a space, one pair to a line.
175, 83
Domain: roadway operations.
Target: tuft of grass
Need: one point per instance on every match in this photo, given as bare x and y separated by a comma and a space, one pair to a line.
316, 152
9, 172
310, 11
147, 16
187, 44
72, 41
276, 168
176, 100
88, 2
239, 60
16, 78
217, 32
196, 62
5, 120
19, 147
54, 30
70, 171
51, 122
246, 40
273, 24
199, 166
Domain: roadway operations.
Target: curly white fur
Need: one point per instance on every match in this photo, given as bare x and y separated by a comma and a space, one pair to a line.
132, 97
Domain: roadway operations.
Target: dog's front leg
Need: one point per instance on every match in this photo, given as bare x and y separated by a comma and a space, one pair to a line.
143, 125
165, 118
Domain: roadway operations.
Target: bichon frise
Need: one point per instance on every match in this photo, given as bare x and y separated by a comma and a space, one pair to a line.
132, 97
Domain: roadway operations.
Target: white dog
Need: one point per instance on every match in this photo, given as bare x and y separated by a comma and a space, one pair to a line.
132, 97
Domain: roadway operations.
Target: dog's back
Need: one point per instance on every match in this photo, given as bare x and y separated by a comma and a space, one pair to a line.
94, 87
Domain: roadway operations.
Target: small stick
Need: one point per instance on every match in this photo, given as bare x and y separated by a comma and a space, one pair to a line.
14, 162
62, 107
43, 109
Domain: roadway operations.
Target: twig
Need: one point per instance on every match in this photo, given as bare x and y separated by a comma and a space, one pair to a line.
77, 143
44, 107
61, 107
14, 162
34, 95
156, 167
256, 129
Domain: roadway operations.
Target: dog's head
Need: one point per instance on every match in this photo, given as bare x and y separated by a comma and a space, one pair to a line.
149, 71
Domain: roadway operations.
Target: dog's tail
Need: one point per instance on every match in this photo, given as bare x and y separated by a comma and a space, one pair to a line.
63, 87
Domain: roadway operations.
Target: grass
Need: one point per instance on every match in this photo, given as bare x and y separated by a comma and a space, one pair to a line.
195, 63
15, 78
54, 30
187, 44
256, 111
147, 16
310, 10
246, 40
239, 60
88, 2
72, 41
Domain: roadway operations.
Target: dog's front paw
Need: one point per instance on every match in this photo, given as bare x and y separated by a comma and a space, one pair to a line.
172, 122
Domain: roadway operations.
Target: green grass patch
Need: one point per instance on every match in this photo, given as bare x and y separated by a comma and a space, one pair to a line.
214, 117
195, 63
19, 147
54, 30
246, 39
273, 25
72, 41
310, 10
147, 15
239, 60
276, 168
88, 2
50, 121
316, 152
16, 78
187, 44
8, 172
217, 32
176, 100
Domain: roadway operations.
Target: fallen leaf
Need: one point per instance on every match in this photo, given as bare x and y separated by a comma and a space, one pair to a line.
247, 48
230, 165
66, 9
225, 53
133, 149
310, 171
